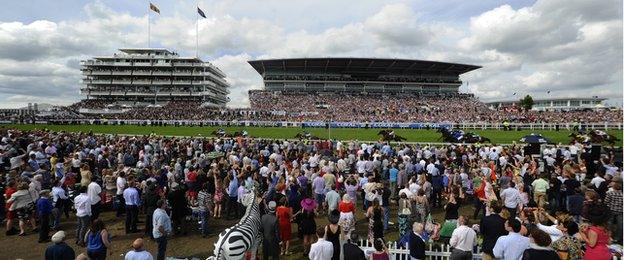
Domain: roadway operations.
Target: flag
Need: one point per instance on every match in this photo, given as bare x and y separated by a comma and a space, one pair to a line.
200, 12
548, 92
154, 8
514, 93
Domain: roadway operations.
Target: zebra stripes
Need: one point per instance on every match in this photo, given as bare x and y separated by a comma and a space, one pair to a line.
233, 242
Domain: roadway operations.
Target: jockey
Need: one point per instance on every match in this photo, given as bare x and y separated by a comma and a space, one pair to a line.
307, 134
244, 133
220, 131
600, 132
391, 133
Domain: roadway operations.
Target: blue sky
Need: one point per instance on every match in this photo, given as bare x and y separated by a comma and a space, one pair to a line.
570, 47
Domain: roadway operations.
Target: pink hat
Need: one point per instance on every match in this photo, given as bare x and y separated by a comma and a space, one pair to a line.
308, 204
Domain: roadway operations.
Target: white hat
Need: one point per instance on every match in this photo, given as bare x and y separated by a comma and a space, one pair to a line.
58, 237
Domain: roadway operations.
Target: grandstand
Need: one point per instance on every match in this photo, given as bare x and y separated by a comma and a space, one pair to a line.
149, 76
361, 75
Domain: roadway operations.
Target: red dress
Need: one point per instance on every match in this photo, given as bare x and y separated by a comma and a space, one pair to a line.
283, 218
600, 251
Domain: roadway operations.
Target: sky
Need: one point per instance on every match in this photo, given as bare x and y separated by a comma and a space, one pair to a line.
572, 48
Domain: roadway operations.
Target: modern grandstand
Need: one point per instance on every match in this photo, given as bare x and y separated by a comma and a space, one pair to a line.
150, 76
157, 86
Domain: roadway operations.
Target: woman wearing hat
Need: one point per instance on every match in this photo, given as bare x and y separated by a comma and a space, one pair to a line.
307, 224
347, 215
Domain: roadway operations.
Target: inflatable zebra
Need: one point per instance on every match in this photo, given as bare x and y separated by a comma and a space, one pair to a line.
245, 236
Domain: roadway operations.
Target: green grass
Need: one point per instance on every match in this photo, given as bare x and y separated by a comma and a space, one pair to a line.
497, 136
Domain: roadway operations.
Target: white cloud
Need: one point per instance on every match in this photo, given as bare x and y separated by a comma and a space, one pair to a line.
568, 47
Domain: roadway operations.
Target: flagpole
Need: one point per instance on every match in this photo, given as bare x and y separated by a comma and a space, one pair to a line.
148, 26
197, 32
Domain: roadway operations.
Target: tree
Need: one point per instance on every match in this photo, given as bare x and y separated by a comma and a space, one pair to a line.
526, 102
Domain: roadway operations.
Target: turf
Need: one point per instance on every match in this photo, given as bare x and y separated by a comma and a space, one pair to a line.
497, 136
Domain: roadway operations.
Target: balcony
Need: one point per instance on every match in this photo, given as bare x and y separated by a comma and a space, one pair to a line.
142, 64
142, 72
97, 72
97, 81
96, 63
182, 82
121, 81
181, 72
161, 82
165, 73
162, 64
187, 64
124, 72
142, 82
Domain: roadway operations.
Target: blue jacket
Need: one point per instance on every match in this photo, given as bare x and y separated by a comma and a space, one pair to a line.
44, 206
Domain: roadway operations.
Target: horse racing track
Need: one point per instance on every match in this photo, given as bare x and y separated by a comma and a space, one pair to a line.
424, 136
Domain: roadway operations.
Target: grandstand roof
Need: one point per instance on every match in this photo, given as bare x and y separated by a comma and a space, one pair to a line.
360, 66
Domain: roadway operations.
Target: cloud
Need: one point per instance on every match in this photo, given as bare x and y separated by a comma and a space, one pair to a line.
567, 47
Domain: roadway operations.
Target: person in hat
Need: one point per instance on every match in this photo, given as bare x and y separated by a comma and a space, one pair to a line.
307, 224
44, 209
23, 206
59, 250
270, 232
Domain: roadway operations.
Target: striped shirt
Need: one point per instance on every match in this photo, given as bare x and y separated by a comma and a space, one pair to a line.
614, 201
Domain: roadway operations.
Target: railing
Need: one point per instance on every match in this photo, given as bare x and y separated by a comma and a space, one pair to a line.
396, 252
541, 126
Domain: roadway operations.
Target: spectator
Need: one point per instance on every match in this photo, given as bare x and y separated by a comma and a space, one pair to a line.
322, 249
131, 197
59, 250
492, 227
381, 252
138, 252
270, 233
284, 216
162, 228
568, 246
511, 246
44, 209
82, 204
97, 240
539, 247
351, 250
613, 200
416, 242
333, 233
463, 240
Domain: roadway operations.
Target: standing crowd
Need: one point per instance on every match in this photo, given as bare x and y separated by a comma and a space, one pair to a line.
565, 203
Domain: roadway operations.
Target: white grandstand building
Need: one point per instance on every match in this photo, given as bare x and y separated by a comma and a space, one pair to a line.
152, 76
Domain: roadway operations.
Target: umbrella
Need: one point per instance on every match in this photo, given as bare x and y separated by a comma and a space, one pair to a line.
535, 139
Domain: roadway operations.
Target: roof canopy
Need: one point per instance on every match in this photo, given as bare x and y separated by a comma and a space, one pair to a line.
360, 66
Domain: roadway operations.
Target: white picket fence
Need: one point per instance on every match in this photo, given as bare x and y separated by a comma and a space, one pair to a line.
435, 252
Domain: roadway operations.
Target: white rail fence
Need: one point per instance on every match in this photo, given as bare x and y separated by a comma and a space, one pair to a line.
433, 252
415, 125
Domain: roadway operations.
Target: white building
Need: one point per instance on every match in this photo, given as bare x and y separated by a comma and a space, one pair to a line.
556, 104
152, 76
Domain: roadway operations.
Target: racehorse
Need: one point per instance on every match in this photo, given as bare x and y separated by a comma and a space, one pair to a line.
599, 136
475, 138
306, 135
581, 138
219, 133
451, 136
388, 136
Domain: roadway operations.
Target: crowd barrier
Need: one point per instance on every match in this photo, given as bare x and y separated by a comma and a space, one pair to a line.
333, 124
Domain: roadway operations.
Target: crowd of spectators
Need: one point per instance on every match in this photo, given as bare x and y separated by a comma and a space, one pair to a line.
561, 202
340, 107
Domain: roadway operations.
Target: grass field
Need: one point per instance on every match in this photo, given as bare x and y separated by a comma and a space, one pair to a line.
497, 136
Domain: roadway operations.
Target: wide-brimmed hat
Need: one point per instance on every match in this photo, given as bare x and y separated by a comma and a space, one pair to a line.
308, 204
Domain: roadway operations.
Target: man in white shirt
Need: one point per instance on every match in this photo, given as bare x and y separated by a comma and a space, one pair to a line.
511, 198
463, 240
131, 196
121, 185
322, 249
511, 246
82, 204
93, 191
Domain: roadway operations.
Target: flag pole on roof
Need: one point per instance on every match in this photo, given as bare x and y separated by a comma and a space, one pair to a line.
154, 8
202, 14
